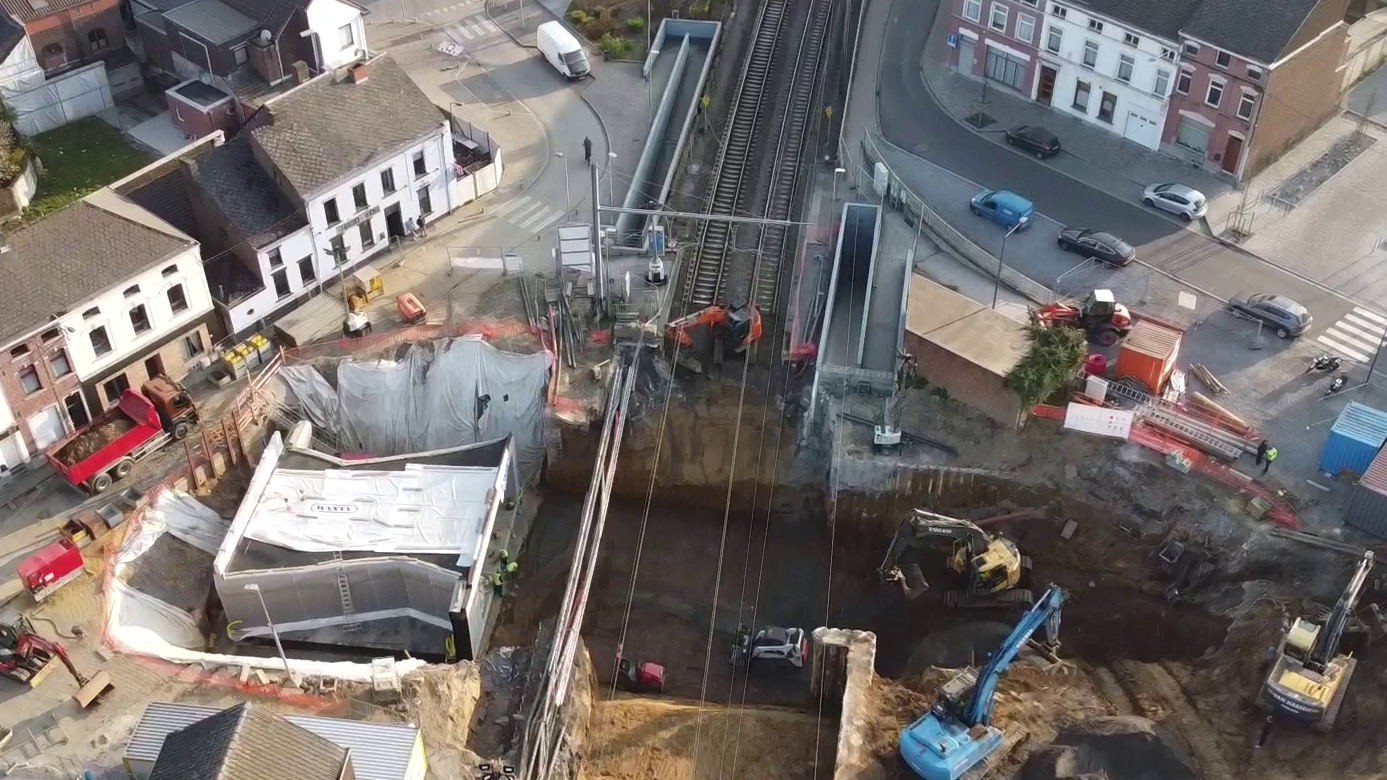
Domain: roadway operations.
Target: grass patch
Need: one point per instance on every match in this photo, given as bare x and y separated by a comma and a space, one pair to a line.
80, 158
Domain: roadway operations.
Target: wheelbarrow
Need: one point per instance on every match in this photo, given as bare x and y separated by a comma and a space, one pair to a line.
412, 312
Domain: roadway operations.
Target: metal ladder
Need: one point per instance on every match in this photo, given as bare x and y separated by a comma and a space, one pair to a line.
345, 591
1194, 432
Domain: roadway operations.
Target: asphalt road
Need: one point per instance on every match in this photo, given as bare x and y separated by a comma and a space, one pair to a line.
910, 118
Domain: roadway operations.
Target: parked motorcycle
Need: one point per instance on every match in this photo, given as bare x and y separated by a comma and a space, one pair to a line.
1325, 364
1336, 385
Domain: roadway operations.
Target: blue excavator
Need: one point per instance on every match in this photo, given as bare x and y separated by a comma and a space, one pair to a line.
956, 738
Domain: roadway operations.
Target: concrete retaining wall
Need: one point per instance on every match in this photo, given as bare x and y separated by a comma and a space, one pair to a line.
842, 674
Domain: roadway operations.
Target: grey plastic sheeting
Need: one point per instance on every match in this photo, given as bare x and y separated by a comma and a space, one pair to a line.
452, 393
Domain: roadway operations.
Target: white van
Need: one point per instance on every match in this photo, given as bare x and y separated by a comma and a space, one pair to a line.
562, 50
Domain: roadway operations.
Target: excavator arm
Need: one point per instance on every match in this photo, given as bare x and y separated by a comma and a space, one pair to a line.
922, 528
1327, 644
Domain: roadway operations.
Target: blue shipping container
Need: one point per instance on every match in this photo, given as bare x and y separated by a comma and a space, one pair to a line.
1354, 440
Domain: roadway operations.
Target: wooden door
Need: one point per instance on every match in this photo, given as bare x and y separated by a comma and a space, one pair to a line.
1045, 92
1232, 152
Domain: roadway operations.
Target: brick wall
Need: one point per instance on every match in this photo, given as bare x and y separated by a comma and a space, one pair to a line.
41, 355
172, 356
966, 382
73, 28
158, 53
1301, 94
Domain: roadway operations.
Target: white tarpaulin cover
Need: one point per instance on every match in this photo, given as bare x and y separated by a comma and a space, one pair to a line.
422, 509
452, 393
67, 98
139, 623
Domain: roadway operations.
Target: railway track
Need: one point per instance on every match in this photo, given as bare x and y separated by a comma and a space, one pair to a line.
764, 281
729, 189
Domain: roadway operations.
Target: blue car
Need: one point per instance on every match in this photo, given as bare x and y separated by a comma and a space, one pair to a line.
1004, 207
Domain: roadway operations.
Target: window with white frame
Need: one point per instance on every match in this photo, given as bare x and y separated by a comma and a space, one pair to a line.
1025, 28
1131, 40
1254, 74
1081, 93
1090, 53
1182, 84
972, 10
1191, 49
998, 19
1162, 85
346, 38
1095, 25
1059, 10
1125, 66
1053, 40
1032, 3
1167, 54
1246, 104
1223, 59
1214, 95
240, 55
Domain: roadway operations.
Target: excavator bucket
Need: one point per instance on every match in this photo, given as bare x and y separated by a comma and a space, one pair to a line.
93, 689
913, 582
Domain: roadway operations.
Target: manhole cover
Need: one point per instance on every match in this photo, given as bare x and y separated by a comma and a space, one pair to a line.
979, 120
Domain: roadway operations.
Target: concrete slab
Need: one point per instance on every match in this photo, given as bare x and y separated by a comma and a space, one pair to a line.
160, 134
1368, 98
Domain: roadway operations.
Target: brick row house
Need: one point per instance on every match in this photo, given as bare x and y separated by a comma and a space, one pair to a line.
1191, 78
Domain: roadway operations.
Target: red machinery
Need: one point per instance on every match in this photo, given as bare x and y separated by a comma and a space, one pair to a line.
141, 423
51, 568
643, 677
1100, 315
730, 329
28, 658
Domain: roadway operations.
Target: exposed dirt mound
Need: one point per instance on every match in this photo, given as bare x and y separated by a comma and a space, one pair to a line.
1113, 748
957, 646
675, 739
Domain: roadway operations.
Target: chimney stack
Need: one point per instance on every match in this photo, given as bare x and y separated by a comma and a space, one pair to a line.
360, 73
301, 72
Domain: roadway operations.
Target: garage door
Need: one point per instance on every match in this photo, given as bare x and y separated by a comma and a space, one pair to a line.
12, 452
1193, 135
1142, 130
47, 426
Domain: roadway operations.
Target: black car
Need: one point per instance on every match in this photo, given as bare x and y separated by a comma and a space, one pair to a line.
1034, 139
1098, 245
1288, 318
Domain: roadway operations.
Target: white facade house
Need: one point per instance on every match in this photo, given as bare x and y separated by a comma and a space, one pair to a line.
1111, 73
339, 30
137, 313
12, 449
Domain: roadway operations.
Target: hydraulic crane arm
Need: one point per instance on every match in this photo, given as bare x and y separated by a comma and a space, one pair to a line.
922, 526
1046, 614
1327, 644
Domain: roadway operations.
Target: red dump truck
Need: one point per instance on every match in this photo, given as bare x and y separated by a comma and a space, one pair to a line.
96, 456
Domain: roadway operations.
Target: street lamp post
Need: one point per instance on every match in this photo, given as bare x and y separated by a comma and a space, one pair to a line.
836, 173
1001, 261
611, 185
567, 194
255, 588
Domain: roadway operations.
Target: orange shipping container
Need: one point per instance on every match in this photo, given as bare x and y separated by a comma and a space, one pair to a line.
1148, 354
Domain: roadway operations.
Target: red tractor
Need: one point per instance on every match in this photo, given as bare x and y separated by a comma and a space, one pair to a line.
643, 677
1100, 316
721, 329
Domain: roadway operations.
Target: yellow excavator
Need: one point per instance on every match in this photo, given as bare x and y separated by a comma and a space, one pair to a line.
996, 573
1309, 677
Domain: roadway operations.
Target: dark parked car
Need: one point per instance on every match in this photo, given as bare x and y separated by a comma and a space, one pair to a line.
1098, 245
1288, 318
1035, 139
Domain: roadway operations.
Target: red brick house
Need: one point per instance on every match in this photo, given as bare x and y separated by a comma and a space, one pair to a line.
997, 40
67, 33
1248, 91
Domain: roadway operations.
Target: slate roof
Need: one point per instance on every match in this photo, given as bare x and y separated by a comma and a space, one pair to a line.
67, 257
29, 10
246, 194
11, 33
323, 131
273, 14
1252, 28
247, 742
1159, 17
212, 20
167, 198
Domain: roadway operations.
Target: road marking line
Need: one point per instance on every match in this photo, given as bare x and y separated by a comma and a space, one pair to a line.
520, 215
1352, 322
1362, 312
1351, 354
511, 205
1369, 344
464, 32
481, 25
472, 31
540, 217
489, 26
548, 223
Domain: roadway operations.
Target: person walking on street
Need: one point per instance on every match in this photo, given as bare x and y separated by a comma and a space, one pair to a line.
1262, 451
423, 231
587, 150
1271, 456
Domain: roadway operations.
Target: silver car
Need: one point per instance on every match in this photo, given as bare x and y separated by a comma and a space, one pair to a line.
1184, 202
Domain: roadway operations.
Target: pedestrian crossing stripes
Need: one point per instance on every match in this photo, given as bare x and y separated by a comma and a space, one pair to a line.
1356, 336
529, 214
453, 7
473, 28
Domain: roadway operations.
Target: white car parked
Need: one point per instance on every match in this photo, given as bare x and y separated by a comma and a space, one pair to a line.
1184, 202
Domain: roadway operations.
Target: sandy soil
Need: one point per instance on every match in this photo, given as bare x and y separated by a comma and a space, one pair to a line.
636, 738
